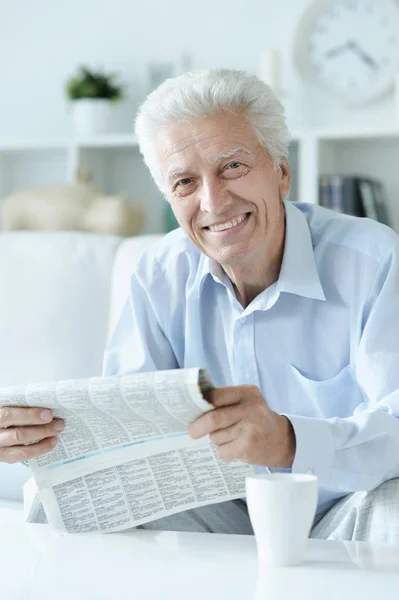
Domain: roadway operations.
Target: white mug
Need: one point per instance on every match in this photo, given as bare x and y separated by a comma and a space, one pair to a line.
282, 508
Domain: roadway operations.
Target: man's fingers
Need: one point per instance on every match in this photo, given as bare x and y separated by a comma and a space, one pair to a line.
15, 454
12, 416
225, 436
220, 418
224, 396
25, 435
229, 452
227, 396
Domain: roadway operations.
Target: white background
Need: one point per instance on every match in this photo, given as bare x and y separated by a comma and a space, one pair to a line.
43, 41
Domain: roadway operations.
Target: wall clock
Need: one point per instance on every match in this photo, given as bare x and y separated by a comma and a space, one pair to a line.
349, 47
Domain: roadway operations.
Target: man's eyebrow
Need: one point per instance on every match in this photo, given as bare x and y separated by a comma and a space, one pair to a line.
183, 171
230, 153
177, 173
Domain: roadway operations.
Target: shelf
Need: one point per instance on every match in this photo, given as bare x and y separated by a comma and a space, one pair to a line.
22, 145
114, 161
346, 133
129, 140
121, 140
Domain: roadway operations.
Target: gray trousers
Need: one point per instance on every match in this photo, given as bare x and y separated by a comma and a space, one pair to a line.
363, 516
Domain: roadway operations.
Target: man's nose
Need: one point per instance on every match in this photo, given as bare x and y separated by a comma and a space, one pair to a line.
211, 196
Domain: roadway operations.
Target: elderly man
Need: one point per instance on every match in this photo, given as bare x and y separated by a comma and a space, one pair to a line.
293, 309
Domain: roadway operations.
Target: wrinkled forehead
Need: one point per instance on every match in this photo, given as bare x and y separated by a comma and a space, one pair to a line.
208, 140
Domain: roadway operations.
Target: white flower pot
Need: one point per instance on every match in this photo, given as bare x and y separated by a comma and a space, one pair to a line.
92, 116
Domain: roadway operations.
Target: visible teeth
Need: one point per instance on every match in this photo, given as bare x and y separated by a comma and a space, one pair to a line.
228, 224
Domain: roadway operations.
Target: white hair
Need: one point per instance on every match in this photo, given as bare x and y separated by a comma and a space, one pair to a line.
205, 93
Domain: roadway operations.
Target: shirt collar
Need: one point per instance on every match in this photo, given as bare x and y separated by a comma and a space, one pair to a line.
298, 274
208, 266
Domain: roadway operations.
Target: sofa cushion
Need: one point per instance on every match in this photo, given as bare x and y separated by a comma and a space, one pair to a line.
54, 303
126, 259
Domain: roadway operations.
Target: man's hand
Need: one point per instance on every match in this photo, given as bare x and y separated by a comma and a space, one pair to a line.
243, 427
33, 426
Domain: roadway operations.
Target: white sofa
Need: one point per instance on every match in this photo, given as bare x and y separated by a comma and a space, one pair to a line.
60, 297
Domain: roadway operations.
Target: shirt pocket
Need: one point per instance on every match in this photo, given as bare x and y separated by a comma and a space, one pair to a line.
335, 397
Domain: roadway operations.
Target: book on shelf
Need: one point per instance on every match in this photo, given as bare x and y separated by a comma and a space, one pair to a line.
354, 195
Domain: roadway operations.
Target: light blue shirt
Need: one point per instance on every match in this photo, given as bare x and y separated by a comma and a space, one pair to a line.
321, 343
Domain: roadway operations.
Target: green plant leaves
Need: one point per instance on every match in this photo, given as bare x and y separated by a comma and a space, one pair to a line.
94, 84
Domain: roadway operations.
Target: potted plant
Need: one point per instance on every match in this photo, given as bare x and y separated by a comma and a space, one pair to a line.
93, 95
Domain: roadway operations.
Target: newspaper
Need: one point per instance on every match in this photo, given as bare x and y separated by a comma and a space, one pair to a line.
125, 456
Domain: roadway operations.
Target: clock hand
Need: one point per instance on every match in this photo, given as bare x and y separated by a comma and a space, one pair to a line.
334, 51
362, 54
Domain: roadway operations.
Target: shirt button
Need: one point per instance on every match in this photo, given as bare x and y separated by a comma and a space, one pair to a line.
243, 319
249, 374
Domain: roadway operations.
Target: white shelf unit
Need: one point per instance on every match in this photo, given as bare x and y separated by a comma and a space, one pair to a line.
365, 151
114, 161
118, 167
71, 146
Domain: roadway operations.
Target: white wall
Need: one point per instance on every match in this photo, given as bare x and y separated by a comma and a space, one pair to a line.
42, 42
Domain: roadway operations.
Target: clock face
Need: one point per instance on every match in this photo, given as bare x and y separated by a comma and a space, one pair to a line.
350, 47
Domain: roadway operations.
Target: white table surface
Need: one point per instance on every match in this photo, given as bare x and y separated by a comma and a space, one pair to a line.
37, 564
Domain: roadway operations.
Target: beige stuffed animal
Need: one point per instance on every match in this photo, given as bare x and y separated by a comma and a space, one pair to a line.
77, 206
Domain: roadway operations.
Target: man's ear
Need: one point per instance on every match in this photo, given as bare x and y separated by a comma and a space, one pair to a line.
284, 167
285, 182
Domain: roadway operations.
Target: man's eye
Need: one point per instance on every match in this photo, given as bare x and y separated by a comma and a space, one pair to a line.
185, 181
234, 165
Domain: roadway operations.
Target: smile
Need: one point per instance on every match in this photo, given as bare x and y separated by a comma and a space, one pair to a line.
228, 224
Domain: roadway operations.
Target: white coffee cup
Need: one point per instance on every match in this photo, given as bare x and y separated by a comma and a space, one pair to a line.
282, 508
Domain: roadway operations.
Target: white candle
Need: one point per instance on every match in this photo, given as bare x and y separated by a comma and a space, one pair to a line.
270, 68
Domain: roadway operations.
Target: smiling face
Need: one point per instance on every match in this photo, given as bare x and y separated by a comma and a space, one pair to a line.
223, 189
